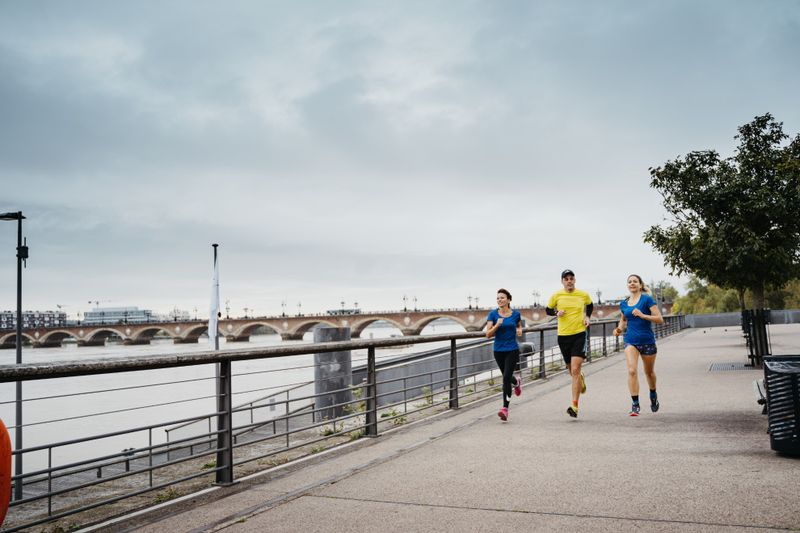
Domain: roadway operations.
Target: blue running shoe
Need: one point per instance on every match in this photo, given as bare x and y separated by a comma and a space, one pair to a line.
634, 410
654, 405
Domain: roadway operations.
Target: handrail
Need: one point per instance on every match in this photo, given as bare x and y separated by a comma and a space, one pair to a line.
31, 371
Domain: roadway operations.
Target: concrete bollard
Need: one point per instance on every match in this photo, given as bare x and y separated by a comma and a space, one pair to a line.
332, 372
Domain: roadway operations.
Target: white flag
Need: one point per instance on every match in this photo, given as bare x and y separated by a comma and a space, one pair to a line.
213, 314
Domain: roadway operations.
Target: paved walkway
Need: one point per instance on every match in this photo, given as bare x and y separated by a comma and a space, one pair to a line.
702, 463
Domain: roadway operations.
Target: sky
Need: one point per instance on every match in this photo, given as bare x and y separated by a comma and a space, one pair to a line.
361, 152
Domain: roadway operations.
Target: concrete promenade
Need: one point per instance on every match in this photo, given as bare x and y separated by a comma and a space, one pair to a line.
702, 463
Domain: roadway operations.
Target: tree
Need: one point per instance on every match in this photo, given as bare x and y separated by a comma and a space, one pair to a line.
735, 221
705, 298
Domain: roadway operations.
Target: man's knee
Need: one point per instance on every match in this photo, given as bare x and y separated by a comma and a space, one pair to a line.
632, 372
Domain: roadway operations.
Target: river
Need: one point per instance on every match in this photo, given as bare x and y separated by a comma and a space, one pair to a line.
57, 410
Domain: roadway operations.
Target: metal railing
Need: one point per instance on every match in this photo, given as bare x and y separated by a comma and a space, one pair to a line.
162, 459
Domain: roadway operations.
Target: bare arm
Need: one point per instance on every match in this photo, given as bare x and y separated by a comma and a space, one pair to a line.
621, 326
654, 317
491, 327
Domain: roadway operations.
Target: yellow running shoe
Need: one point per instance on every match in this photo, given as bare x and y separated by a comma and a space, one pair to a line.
583, 384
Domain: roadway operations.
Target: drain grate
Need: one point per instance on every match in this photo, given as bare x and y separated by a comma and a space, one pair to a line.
721, 367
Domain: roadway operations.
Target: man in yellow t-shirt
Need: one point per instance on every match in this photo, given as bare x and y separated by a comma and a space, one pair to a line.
573, 307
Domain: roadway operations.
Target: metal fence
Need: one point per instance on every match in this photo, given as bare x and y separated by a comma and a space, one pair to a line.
161, 457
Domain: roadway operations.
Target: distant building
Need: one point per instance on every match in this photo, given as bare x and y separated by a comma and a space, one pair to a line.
33, 319
117, 315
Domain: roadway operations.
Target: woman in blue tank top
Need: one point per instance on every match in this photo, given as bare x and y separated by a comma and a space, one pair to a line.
639, 312
505, 325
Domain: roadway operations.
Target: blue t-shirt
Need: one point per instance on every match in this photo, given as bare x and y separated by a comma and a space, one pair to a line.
505, 338
640, 331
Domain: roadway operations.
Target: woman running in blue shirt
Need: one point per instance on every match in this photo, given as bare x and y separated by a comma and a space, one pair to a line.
639, 311
504, 324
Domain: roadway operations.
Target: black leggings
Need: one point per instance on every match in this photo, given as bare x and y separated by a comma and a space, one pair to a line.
507, 361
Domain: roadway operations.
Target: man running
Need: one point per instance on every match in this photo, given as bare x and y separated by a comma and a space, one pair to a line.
573, 307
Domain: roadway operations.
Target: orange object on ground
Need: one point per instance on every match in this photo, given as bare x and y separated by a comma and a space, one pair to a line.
5, 471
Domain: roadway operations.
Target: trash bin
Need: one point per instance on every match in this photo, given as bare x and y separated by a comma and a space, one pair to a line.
525, 352
782, 381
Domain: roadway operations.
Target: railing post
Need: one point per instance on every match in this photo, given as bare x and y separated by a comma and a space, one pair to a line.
589, 344
372, 394
224, 428
453, 375
542, 370
405, 395
150, 454
605, 349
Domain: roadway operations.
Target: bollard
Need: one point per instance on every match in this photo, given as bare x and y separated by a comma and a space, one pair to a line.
332, 375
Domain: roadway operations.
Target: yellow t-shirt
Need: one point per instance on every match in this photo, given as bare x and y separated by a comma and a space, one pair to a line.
573, 304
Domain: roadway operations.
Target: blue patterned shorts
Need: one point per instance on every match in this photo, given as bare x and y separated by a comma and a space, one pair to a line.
644, 349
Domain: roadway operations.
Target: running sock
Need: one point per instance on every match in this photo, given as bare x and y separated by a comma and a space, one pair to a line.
575, 405
635, 399
653, 394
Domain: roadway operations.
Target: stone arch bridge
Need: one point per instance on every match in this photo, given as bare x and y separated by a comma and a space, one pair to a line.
288, 327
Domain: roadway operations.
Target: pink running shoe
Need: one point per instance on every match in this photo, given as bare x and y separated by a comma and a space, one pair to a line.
518, 387
503, 414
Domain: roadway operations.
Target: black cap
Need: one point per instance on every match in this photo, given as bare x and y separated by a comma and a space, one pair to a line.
566, 273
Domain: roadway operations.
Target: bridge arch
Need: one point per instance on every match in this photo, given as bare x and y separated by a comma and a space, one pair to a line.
54, 338
417, 327
248, 329
358, 327
144, 336
98, 337
304, 327
10, 340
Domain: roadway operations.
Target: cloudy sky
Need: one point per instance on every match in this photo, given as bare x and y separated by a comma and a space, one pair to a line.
362, 151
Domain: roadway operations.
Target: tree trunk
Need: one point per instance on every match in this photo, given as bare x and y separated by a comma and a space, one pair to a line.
740, 292
758, 296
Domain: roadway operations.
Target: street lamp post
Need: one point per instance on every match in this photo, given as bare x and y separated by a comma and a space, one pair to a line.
22, 256
405, 307
415, 303
469, 299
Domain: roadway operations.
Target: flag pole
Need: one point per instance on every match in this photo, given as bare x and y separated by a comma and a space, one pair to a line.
213, 319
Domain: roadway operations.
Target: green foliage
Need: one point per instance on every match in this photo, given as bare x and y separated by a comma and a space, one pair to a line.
209, 465
166, 495
426, 391
735, 220
704, 297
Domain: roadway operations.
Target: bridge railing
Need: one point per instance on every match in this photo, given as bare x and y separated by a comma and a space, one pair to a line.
141, 430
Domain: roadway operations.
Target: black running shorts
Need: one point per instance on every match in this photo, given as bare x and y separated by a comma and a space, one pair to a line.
572, 346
